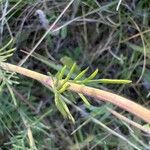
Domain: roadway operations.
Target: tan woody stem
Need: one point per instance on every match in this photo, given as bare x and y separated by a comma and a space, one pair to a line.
115, 99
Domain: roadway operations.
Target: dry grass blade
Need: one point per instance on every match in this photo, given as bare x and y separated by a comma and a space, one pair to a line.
46, 33
123, 118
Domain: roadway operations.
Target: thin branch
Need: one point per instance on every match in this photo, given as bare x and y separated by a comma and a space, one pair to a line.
98, 94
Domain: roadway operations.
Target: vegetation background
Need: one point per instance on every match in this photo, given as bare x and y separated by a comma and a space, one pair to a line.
111, 35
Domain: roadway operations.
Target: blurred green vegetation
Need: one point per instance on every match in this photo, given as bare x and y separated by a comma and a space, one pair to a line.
93, 34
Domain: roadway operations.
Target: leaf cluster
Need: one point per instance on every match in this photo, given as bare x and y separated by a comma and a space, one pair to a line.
61, 85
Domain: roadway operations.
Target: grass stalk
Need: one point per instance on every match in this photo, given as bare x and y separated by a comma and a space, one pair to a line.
98, 94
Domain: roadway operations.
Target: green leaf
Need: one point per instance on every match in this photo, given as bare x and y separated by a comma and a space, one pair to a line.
5, 54
12, 94
59, 105
8, 51
5, 46
62, 107
110, 81
84, 99
71, 71
61, 74
91, 76
64, 88
67, 111
80, 75
68, 76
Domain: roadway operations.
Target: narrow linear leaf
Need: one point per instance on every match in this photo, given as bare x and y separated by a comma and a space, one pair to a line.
62, 107
80, 75
8, 51
12, 94
61, 74
3, 58
91, 76
111, 81
67, 111
64, 88
68, 76
59, 105
5, 46
71, 71
84, 99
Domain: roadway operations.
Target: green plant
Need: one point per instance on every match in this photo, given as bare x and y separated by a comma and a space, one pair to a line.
60, 85
93, 34
66, 84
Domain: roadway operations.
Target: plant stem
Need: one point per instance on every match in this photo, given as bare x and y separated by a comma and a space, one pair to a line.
98, 94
